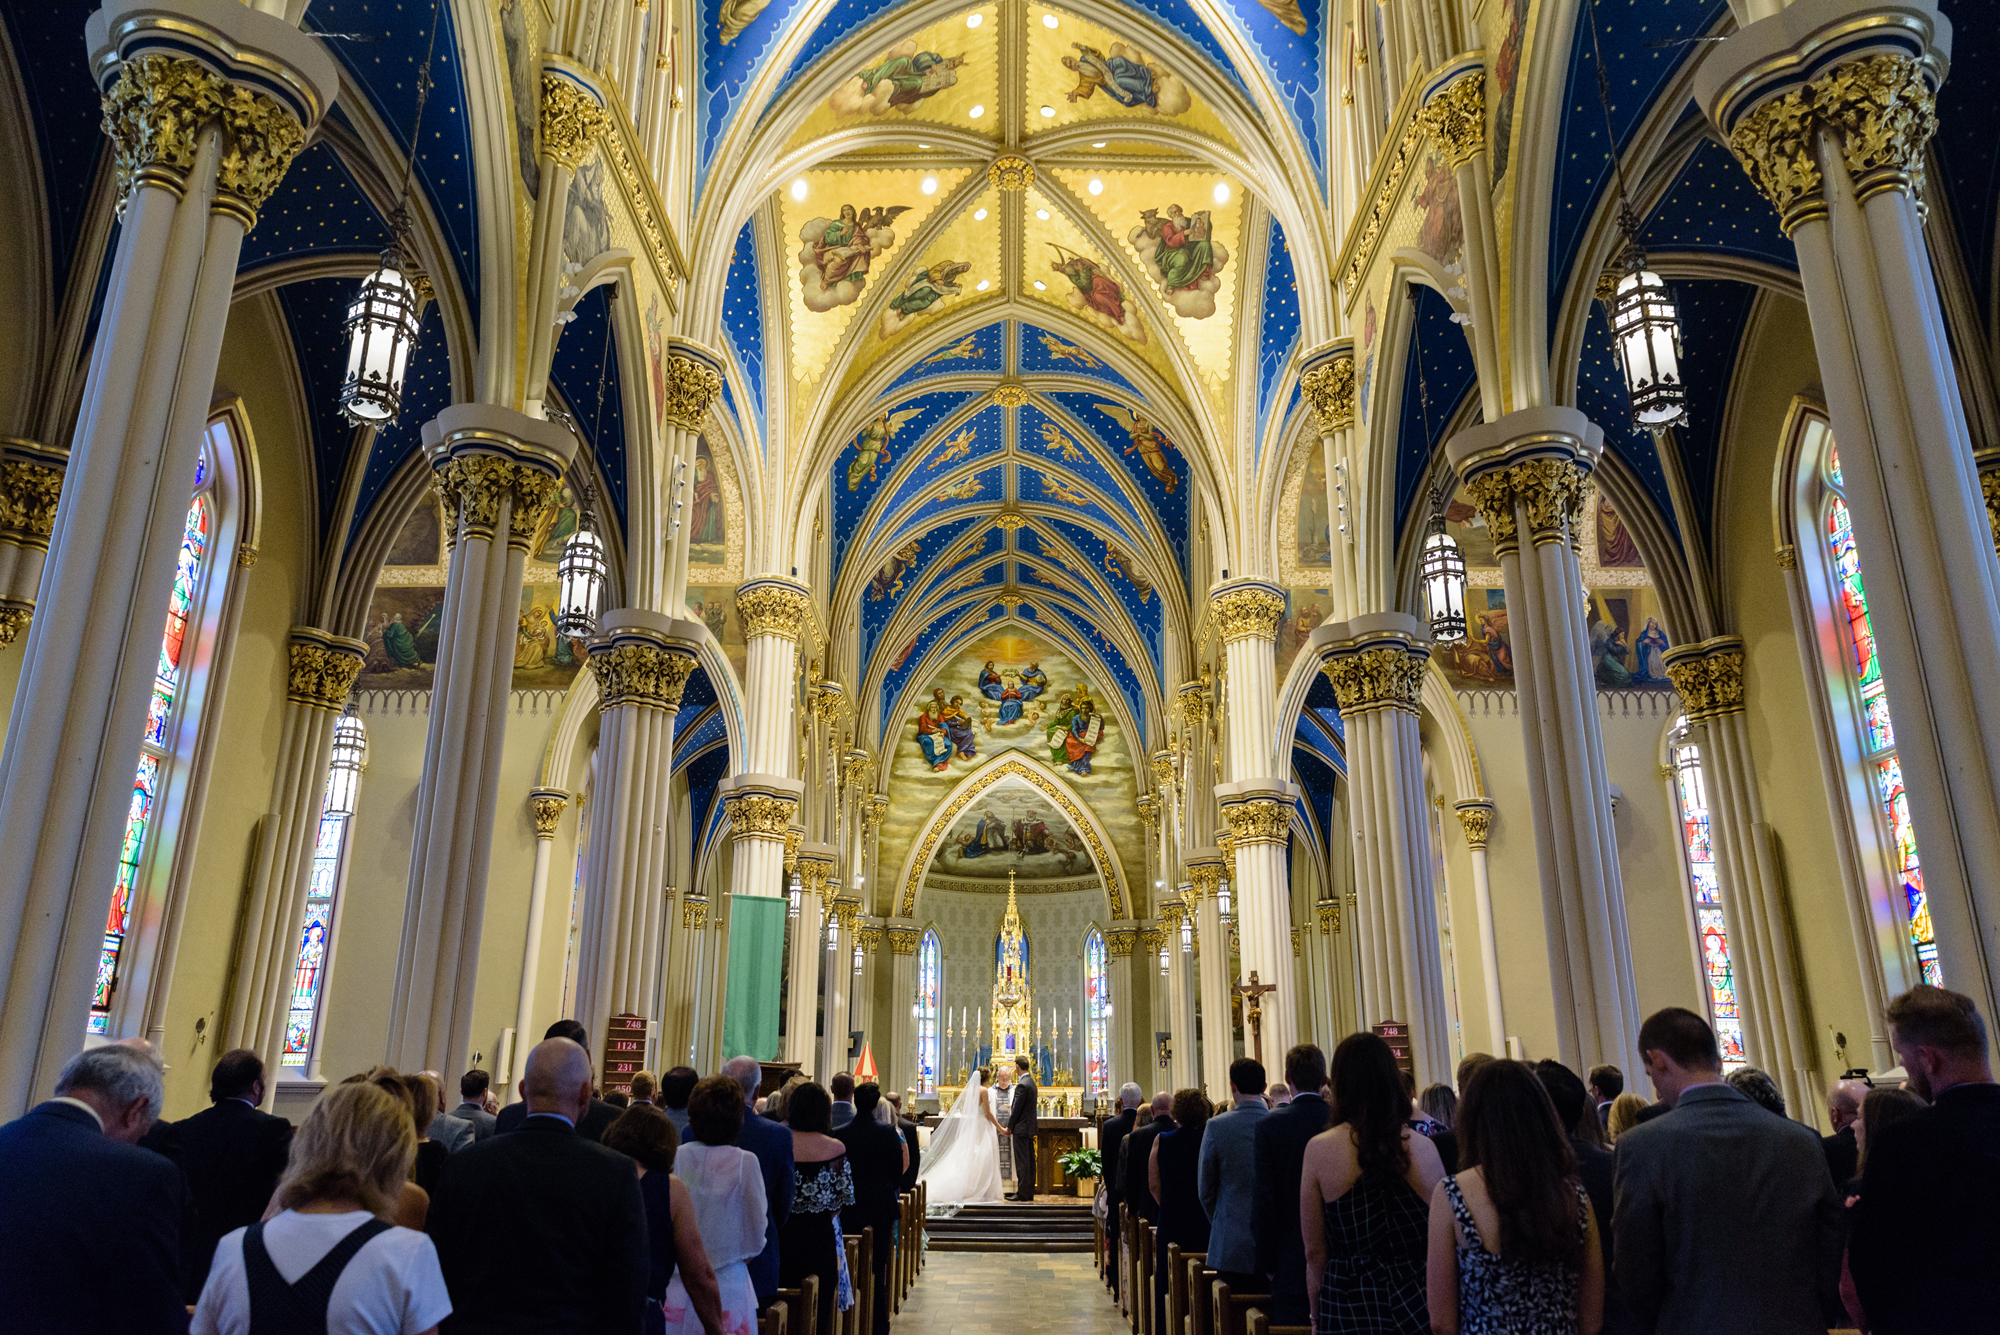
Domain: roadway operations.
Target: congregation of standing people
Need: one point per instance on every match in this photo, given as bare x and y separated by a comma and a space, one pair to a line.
676, 1209
1526, 1199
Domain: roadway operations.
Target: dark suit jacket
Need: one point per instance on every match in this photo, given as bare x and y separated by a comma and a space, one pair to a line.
542, 1231
233, 1156
908, 1130
771, 1142
1024, 1110
1924, 1250
1280, 1156
483, 1123
1842, 1154
875, 1157
600, 1116
1111, 1139
1725, 1220
1134, 1187
90, 1230
842, 1114
1597, 1168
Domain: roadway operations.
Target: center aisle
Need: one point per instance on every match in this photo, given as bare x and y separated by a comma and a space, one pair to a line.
970, 1293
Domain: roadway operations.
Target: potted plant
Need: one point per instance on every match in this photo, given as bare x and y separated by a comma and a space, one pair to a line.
1084, 1165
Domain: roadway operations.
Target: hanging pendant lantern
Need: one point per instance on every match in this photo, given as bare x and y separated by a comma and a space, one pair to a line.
580, 578
1443, 573
350, 756
382, 323
1646, 331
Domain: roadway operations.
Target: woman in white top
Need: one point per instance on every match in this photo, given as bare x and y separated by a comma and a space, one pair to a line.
329, 1258
727, 1187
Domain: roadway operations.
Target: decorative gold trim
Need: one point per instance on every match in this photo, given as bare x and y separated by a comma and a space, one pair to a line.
1380, 677
1455, 116
322, 674
547, 809
640, 674
771, 609
1390, 170
1247, 612
1708, 676
1476, 818
694, 911
14, 618
760, 815
692, 388
904, 940
157, 112
571, 121
1012, 172
28, 496
1989, 488
1119, 942
1259, 820
473, 485
794, 838
1010, 395
869, 939
1328, 913
1329, 391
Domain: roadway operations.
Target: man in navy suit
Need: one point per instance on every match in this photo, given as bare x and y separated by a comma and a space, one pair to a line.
233, 1156
601, 1114
771, 1142
90, 1224
1279, 1152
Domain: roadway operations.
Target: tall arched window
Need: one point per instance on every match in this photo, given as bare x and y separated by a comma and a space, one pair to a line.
169, 730
1097, 1014
1857, 683
930, 988
1705, 895
329, 871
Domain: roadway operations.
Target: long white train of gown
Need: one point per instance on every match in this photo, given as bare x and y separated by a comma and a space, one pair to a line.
963, 1165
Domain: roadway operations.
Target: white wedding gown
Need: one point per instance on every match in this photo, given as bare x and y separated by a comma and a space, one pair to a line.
962, 1166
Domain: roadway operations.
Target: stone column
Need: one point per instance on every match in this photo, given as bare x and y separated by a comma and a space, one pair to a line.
1526, 472
861, 1006
1475, 817
1777, 1024
546, 806
900, 1066
1829, 105
642, 662
807, 945
268, 933
839, 986
206, 104
1205, 869
572, 118
1329, 949
1376, 665
1453, 114
693, 383
1122, 943
31, 477
498, 471
1177, 1015
1326, 381
1256, 804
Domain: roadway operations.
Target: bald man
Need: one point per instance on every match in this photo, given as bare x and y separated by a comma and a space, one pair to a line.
543, 1230
1843, 1110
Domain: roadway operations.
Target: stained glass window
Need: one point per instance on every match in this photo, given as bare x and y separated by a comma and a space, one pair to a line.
1878, 733
930, 988
156, 742
1710, 925
323, 888
1097, 1014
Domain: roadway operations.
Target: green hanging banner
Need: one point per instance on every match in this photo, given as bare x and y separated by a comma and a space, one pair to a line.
756, 969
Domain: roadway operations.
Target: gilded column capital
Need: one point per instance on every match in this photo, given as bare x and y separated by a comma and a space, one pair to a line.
868, 938
755, 815
162, 105
1493, 493
1163, 768
1550, 492
1327, 911
795, 838
31, 477
1247, 610
826, 701
694, 911
1204, 876
1989, 489
904, 940
1475, 817
1153, 938
1455, 115
1149, 810
1192, 697
323, 668
854, 769
14, 618
631, 671
1119, 942
572, 119
693, 383
875, 812
1327, 382
772, 607
1225, 840
814, 870
1379, 670
1708, 676
1257, 820
546, 805
474, 485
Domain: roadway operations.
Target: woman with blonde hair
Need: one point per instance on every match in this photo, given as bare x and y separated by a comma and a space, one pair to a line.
413, 1205
329, 1259
1625, 1110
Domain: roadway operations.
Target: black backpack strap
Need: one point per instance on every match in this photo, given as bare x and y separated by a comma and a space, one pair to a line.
278, 1308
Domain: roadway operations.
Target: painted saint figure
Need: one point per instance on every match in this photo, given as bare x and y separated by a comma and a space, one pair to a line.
913, 77
988, 836
1125, 81
1033, 681
925, 289
1652, 647
989, 681
1086, 731
1099, 292
1186, 254
931, 739
1147, 443
871, 447
1010, 700
958, 728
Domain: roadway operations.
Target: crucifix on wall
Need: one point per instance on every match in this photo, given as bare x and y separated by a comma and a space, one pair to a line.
1252, 993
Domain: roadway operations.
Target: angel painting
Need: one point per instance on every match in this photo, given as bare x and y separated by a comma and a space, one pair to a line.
888, 581
1097, 294
903, 77
1127, 77
1442, 233
924, 290
1120, 563
871, 447
1181, 253
834, 261
1147, 443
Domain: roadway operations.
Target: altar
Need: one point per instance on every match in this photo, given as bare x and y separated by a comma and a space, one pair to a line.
1057, 1134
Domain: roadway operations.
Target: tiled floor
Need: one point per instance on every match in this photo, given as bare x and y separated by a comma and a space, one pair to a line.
978, 1293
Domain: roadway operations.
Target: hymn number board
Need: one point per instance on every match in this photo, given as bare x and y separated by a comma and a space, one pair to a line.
624, 1052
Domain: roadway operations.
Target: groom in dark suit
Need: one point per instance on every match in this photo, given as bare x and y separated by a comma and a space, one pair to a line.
1021, 1128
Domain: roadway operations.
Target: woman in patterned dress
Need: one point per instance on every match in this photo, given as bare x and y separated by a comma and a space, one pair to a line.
1363, 1202
809, 1241
1513, 1243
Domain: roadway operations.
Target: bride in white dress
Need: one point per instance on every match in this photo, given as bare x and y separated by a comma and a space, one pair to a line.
963, 1165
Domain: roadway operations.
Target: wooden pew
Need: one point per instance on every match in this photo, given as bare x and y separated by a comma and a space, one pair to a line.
1255, 1323
1229, 1308
1177, 1287
1143, 1290
802, 1306
771, 1321
850, 1320
1200, 1305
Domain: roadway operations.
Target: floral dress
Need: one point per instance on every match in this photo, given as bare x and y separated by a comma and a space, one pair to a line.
1497, 1296
810, 1242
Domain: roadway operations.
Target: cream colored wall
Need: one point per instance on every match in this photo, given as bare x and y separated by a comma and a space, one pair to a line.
1780, 364
248, 731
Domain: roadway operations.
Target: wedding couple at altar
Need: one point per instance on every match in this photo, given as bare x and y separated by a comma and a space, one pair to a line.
963, 1166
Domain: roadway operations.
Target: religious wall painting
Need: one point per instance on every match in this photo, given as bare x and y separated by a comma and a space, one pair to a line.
965, 350
1615, 547
1288, 13
402, 637
1313, 530
1441, 226
1306, 610
1069, 353
1126, 75
955, 450
1369, 324
1095, 294
1627, 640
714, 605
733, 16
888, 582
1147, 443
656, 359
871, 446
421, 540
1181, 253
1119, 564
518, 32
896, 81
557, 525
544, 659
1012, 827
1506, 71
708, 534
587, 223
834, 261
924, 292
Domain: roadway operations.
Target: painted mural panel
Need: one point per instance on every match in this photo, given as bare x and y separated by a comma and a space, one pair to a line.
1011, 828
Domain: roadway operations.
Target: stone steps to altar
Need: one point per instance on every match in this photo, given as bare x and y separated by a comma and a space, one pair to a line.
1063, 1227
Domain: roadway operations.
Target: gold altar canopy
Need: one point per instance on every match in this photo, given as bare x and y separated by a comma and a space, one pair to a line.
1013, 998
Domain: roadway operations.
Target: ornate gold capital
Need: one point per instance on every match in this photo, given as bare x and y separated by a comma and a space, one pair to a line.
904, 940
1328, 913
1708, 676
1247, 612
1476, 819
641, 674
875, 812
321, 674
571, 121
28, 496
794, 837
474, 485
1297, 948
1149, 810
760, 815
1119, 941
1011, 172
1493, 493
1456, 117
1152, 938
1387, 677
1226, 841
160, 107
1329, 392
868, 938
1204, 879
1989, 488
771, 609
691, 390
1261, 820
14, 618
813, 874
547, 807
1551, 491
694, 911
1163, 768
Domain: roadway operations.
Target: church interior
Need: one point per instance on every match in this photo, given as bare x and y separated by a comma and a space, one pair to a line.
886, 537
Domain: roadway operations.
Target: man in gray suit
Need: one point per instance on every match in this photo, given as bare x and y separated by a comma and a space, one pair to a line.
454, 1133
472, 1087
842, 1089
1228, 1179
1724, 1217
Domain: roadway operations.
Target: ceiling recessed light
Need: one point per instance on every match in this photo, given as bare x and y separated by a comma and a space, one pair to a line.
1222, 192
1048, 20
1096, 186
976, 112
1043, 214
1098, 144
979, 216
983, 285
799, 188
930, 185
923, 145
974, 20
1040, 286
1048, 111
